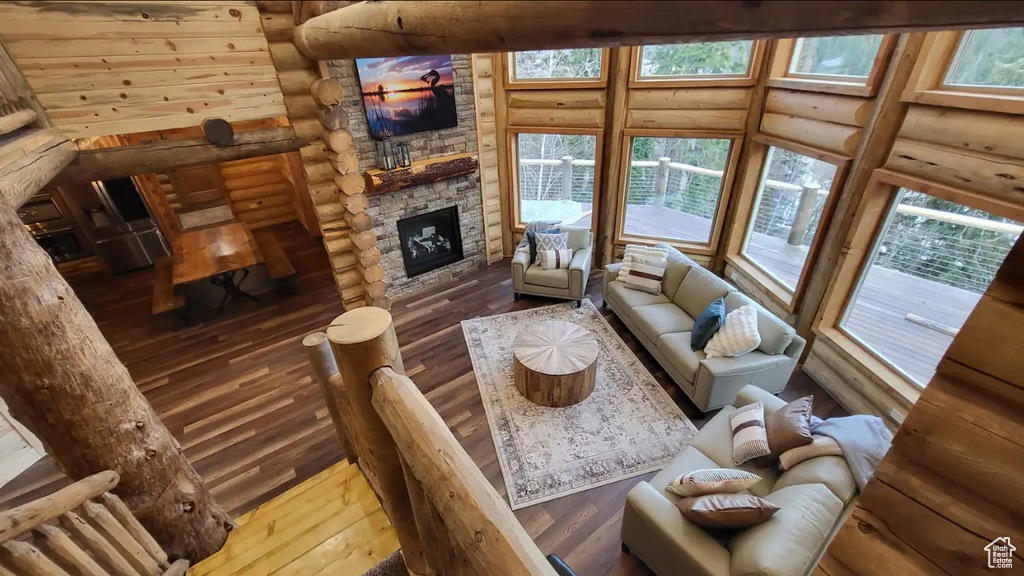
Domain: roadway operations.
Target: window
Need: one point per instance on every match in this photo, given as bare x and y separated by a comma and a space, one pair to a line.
579, 66
990, 58
720, 63
846, 56
929, 266
556, 177
791, 198
674, 187
850, 65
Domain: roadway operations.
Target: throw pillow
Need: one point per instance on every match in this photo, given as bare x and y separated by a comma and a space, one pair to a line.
642, 251
712, 481
789, 426
643, 273
749, 440
555, 259
709, 321
558, 241
727, 510
737, 336
531, 238
820, 446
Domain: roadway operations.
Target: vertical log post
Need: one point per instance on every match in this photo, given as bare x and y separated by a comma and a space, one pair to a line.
804, 211
566, 177
421, 510
661, 181
321, 359
364, 340
63, 381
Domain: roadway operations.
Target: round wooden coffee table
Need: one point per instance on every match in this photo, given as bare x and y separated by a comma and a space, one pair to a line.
555, 363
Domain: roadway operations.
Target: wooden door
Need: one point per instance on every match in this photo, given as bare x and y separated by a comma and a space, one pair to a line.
198, 185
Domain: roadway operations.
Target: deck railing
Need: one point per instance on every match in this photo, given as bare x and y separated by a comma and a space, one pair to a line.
448, 518
81, 529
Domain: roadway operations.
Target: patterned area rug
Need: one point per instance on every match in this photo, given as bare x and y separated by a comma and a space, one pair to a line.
627, 427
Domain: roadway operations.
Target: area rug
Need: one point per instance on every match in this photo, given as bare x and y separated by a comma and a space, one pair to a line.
628, 426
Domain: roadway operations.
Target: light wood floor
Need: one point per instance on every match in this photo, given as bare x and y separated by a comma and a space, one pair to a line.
237, 392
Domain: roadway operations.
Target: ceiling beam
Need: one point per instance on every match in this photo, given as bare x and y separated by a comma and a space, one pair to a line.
390, 28
161, 156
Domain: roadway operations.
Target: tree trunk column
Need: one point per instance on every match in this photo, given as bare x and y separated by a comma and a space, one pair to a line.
63, 381
566, 177
661, 181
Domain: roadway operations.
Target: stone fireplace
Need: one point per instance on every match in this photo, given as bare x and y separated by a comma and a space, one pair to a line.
460, 194
430, 241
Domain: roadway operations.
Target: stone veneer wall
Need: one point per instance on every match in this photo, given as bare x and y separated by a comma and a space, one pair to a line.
387, 209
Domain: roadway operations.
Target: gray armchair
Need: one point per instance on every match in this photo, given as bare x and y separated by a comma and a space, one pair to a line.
568, 284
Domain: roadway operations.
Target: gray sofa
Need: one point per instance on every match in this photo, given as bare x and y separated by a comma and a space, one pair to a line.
568, 284
662, 322
814, 498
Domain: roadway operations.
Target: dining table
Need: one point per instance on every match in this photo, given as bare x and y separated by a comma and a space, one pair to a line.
218, 253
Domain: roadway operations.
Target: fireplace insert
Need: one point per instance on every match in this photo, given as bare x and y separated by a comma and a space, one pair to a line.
430, 241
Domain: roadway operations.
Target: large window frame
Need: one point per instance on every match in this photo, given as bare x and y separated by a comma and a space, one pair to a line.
708, 248
868, 223
512, 147
780, 76
743, 221
927, 84
512, 83
757, 54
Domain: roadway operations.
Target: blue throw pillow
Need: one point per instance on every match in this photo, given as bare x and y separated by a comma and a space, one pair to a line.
533, 241
709, 321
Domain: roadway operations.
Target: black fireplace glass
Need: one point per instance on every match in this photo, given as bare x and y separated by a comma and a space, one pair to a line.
430, 241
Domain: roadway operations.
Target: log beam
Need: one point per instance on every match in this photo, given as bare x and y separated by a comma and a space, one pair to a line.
64, 382
158, 157
368, 29
420, 172
27, 174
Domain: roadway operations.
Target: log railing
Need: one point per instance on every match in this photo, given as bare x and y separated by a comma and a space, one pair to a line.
82, 529
449, 519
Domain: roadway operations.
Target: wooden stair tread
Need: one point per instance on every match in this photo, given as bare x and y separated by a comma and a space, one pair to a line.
329, 524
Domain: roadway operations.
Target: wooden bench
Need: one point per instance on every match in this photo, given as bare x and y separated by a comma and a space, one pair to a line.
165, 297
277, 262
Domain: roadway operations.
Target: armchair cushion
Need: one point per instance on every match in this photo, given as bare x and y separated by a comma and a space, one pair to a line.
555, 278
578, 238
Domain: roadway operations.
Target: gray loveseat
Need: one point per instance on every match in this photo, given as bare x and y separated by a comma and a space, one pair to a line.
662, 322
814, 498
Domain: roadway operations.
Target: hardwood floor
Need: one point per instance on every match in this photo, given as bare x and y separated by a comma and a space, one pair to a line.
237, 393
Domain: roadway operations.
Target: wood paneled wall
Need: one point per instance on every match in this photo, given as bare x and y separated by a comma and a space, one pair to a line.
119, 67
258, 191
487, 146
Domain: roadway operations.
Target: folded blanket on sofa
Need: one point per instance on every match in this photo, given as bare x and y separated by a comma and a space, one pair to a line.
864, 440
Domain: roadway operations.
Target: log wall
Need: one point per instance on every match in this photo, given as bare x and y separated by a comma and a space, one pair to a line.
115, 68
487, 149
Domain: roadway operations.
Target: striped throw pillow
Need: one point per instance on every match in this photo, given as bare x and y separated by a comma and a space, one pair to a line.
820, 446
643, 273
553, 259
712, 481
642, 251
749, 439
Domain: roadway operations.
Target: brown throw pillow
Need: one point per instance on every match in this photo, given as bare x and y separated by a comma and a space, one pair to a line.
789, 426
727, 510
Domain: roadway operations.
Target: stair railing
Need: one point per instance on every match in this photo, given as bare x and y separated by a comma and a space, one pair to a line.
448, 518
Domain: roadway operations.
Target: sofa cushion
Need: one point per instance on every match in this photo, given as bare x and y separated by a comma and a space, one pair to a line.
556, 278
579, 238
776, 335
689, 459
789, 542
831, 471
675, 270
676, 347
657, 319
715, 441
698, 289
625, 300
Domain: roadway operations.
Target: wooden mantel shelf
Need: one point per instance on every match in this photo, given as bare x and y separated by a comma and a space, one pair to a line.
420, 172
